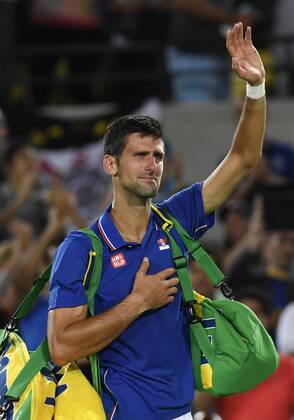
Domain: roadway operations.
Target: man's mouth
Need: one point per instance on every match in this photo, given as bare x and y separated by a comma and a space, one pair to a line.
149, 179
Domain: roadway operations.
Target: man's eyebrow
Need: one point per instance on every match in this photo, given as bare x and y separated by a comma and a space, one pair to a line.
159, 153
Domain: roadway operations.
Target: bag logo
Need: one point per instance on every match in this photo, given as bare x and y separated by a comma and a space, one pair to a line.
162, 244
118, 260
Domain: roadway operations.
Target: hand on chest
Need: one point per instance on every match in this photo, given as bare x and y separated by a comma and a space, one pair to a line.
120, 266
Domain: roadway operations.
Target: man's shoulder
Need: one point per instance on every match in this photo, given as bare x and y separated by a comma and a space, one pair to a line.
76, 239
185, 193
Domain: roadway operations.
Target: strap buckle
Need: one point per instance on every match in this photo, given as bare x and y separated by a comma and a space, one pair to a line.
180, 262
192, 312
226, 290
11, 326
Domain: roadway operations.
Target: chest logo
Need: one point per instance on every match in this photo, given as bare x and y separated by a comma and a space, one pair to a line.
118, 260
162, 244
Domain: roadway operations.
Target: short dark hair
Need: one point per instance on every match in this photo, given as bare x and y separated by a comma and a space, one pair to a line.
118, 131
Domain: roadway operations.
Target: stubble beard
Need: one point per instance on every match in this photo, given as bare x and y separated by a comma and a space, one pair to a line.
144, 192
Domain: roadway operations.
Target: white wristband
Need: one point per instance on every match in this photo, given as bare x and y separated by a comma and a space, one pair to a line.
255, 92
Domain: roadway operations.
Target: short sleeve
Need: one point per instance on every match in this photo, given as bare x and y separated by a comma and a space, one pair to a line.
68, 271
187, 207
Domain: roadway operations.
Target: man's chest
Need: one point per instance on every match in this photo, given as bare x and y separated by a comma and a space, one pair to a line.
120, 267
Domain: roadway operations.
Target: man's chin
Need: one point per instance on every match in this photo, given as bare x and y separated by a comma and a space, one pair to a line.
150, 193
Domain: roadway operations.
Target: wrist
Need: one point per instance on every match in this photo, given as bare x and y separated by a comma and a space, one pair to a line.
255, 91
136, 300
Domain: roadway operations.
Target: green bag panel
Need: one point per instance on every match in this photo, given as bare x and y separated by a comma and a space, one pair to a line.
233, 356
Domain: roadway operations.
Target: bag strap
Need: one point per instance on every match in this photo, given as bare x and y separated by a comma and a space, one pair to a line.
195, 249
41, 355
38, 361
91, 291
31, 298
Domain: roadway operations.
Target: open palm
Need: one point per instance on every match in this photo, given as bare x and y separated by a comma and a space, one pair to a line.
246, 61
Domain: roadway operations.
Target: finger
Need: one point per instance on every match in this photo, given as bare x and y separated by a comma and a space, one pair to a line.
172, 291
229, 42
166, 273
248, 36
172, 282
238, 35
144, 266
169, 299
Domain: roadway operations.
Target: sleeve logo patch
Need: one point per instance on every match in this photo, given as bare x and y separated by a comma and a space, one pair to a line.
162, 244
118, 260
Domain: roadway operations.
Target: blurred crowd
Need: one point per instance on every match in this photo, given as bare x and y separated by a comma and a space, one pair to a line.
43, 196
128, 50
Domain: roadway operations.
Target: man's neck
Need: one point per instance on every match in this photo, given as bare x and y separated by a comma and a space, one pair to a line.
131, 220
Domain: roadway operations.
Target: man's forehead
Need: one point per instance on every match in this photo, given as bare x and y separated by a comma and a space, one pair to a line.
136, 140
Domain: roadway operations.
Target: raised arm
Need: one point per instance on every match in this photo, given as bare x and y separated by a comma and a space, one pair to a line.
246, 148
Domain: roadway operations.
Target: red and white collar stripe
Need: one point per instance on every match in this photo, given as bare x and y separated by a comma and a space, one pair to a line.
104, 236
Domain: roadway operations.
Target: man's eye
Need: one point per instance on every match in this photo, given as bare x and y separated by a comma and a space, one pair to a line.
159, 158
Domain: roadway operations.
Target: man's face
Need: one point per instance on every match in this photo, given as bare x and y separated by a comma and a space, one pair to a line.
140, 166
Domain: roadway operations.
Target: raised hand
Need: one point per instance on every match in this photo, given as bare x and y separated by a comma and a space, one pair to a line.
246, 61
155, 290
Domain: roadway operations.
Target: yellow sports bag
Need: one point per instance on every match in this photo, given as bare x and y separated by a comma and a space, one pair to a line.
30, 387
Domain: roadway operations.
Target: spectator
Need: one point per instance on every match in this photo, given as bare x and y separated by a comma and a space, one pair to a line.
275, 168
265, 259
19, 195
235, 217
26, 256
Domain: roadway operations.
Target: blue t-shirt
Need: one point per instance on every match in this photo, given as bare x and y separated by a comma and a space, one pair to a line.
146, 371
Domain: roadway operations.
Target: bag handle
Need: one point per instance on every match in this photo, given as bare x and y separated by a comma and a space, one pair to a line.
41, 355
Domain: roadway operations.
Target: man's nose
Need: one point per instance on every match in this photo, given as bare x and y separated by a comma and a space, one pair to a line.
151, 164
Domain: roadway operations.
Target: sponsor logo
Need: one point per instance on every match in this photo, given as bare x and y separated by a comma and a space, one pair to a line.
162, 244
118, 260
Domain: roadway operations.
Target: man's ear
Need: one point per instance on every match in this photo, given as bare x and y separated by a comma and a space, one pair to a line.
110, 165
